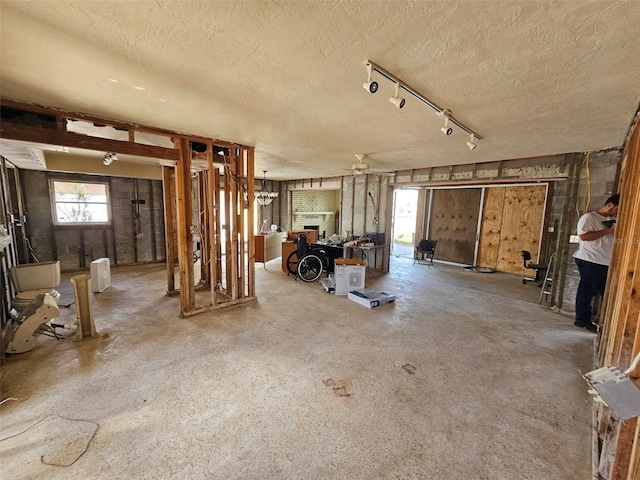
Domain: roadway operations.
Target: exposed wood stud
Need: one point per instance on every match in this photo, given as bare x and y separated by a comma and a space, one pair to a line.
619, 458
210, 214
252, 250
168, 191
184, 227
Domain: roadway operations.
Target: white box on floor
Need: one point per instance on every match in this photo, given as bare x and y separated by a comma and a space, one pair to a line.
349, 276
371, 298
100, 275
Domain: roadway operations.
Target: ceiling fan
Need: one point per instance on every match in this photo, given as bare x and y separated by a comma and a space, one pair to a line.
362, 168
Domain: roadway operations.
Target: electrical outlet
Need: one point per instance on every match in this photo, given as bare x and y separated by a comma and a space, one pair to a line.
574, 238
551, 229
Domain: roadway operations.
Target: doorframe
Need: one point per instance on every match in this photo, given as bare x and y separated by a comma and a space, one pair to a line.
419, 209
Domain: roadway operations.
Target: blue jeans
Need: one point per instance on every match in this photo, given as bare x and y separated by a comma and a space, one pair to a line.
593, 279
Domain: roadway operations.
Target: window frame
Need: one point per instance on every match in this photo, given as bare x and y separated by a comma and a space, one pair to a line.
54, 202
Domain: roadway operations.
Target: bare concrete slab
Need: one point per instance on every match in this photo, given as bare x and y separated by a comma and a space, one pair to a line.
465, 376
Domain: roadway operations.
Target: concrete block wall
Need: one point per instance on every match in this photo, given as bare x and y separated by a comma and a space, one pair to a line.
598, 181
77, 246
35, 188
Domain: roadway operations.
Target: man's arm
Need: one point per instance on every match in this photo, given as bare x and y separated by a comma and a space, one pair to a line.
591, 236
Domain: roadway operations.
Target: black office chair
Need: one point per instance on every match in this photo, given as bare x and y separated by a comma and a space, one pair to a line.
537, 267
425, 250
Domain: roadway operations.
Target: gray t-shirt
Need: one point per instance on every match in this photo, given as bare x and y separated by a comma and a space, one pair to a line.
594, 251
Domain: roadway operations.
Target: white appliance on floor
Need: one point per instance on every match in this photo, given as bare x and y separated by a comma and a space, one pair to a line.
100, 275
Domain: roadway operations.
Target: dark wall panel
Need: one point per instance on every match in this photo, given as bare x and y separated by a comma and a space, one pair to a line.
454, 221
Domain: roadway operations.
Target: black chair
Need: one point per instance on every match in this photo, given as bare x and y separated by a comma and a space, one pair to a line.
537, 267
425, 250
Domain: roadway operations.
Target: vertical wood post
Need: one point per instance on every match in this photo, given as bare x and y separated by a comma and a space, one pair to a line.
251, 274
184, 225
168, 192
211, 212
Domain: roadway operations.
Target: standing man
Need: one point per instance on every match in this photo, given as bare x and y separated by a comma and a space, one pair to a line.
593, 258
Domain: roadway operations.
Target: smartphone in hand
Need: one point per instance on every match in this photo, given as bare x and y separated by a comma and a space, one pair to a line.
609, 223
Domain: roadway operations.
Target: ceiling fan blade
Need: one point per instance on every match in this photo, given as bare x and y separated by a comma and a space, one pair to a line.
384, 173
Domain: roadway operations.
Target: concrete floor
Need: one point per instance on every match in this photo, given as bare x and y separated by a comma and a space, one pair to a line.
465, 377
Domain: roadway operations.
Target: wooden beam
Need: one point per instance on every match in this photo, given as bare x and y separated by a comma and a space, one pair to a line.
75, 140
62, 115
211, 308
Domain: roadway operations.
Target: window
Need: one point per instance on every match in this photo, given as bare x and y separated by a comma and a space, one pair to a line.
80, 203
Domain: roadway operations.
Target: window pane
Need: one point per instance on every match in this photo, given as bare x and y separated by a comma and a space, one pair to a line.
78, 202
68, 212
80, 192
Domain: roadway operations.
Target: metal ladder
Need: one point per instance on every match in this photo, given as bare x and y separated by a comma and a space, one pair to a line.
545, 289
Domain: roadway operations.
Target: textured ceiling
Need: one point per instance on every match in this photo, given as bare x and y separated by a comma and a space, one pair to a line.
532, 78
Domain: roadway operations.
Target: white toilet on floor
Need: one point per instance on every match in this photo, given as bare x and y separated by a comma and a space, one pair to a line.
31, 279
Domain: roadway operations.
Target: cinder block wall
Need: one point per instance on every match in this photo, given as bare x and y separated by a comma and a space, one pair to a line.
598, 181
134, 236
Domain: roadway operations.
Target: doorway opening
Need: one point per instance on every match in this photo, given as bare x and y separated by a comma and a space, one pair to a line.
403, 223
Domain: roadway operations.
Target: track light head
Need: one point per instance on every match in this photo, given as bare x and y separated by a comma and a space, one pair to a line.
397, 101
109, 157
470, 143
447, 130
371, 87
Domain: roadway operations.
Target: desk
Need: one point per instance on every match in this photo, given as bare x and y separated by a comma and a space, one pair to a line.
268, 247
376, 257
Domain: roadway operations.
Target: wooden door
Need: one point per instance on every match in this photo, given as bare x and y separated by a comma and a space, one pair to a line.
454, 223
512, 221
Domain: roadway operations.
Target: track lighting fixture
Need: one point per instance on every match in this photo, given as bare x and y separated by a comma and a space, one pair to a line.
396, 99
399, 102
470, 143
109, 157
264, 197
369, 86
447, 130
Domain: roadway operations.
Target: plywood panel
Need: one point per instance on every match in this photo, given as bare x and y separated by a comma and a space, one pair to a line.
491, 227
454, 222
522, 220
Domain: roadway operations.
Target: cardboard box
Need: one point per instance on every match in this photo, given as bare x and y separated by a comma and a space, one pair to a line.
349, 277
349, 261
371, 298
